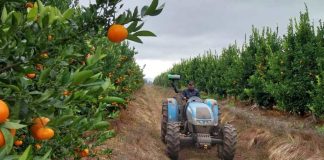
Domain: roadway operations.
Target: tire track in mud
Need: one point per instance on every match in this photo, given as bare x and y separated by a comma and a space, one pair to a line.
138, 135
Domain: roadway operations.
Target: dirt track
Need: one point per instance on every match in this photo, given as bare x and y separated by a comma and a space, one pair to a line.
138, 135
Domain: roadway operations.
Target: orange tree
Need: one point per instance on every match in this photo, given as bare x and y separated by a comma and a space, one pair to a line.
269, 70
60, 66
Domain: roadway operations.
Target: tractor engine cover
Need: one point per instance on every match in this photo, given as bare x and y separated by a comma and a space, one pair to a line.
200, 116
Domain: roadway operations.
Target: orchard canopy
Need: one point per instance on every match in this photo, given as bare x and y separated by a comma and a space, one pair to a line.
271, 70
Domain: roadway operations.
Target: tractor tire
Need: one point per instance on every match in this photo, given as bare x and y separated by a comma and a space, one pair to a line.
226, 151
164, 121
173, 140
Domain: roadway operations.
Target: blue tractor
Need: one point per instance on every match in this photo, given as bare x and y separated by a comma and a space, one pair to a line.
195, 122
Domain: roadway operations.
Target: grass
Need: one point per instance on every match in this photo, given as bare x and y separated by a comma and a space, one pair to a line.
107, 151
320, 129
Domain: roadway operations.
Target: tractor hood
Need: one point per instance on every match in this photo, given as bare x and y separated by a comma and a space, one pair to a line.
199, 113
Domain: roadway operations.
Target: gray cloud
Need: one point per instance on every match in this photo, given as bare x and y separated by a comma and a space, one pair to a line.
187, 28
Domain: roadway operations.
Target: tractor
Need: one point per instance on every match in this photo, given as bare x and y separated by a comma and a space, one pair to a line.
195, 122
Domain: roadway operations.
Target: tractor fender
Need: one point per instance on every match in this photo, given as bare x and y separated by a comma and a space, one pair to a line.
212, 103
173, 110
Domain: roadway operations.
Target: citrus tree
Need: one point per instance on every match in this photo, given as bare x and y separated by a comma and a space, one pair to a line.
269, 70
63, 73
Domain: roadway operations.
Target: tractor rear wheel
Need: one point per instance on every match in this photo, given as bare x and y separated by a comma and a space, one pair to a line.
226, 151
173, 140
164, 121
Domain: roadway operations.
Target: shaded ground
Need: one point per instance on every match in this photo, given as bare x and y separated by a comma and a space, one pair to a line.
260, 136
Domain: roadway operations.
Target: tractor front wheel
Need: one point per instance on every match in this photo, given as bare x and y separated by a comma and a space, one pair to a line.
226, 151
173, 140
164, 121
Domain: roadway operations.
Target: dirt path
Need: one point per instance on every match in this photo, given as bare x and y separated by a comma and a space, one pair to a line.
138, 135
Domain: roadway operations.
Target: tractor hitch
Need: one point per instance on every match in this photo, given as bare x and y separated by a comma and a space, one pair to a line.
201, 140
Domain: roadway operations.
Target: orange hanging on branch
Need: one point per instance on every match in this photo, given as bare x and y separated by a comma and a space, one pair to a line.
4, 111
117, 33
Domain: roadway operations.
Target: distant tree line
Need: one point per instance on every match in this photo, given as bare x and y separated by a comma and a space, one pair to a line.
286, 71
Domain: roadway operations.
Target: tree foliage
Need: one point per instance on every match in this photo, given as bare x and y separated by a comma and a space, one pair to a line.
269, 70
56, 62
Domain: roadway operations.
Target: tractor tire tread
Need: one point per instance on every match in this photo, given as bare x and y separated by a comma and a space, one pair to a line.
229, 142
173, 140
164, 121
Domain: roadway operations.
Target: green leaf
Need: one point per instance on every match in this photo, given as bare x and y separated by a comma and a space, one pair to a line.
9, 143
61, 120
157, 12
13, 87
103, 125
26, 153
65, 77
32, 15
143, 11
138, 27
68, 14
79, 77
4, 15
11, 125
134, 38
152, 7
40, 5
121, 19
94, 59
91, 84
107, 84
132, 26
135, 13
47, 94
18, 17
104, 136
44, 75
144, 33
11, 157
46, 156
110, 99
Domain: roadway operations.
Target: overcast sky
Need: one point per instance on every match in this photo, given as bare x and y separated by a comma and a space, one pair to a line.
187, 28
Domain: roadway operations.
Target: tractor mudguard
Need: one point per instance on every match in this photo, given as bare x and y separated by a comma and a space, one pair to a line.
173, 110
213, 106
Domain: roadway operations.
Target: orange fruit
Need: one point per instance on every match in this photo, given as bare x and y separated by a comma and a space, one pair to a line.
18, 143
31, 75
34, 129
13, 132
66, 93
117, 33
4, 111
29, 5
2, 140
44, 133
84, 153
38, 146
41, 121
49, 37
88, 56
44, 55
39, 67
